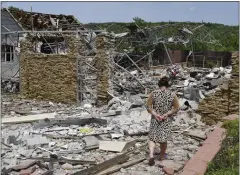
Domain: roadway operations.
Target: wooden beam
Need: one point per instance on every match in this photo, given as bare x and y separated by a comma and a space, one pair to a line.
103, 166
63, 160
130, 74
135, 64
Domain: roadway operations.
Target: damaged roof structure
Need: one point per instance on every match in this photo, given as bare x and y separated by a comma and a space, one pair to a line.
41, 21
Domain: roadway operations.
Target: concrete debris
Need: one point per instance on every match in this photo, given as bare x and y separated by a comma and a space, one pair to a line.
91, 142
112, 136
37, 140
115, 146
29, 118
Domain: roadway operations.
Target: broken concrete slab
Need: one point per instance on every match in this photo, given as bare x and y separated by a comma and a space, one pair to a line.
37, 141
28, 118
91, 142
197, 133
115, 146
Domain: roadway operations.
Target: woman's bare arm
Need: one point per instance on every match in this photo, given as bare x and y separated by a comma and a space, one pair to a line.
149, 105
175, 107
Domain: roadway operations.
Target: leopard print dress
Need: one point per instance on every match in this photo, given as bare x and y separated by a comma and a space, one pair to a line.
160, 131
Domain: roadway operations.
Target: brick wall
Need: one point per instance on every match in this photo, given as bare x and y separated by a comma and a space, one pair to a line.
49, 76
225, 101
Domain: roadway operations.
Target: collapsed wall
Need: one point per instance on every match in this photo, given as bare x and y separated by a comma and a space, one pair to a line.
49, 76
225, 101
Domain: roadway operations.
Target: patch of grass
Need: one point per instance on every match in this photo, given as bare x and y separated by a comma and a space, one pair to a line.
226, 171
226, 161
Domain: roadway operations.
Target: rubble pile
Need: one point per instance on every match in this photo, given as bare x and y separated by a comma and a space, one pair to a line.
44, 137
85, 137
191, 83
225, 101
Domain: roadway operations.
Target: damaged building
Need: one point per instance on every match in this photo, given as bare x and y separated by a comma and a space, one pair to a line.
79, 63
45, 36
82, 105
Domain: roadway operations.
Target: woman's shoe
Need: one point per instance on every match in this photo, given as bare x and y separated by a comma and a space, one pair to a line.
151, 161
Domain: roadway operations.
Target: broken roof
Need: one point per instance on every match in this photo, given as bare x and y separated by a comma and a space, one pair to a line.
42, 21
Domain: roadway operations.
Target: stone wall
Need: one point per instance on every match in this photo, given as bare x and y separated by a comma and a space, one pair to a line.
104, 66
49, 76
225, 101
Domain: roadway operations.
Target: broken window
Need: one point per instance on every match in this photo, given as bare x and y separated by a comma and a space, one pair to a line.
7, 53
50, 45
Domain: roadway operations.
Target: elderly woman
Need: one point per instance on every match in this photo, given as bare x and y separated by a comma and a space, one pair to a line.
162, 104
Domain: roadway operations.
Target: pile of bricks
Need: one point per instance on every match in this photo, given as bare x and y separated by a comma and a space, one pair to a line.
225, 101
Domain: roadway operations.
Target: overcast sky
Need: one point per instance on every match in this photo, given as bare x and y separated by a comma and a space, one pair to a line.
85, 12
